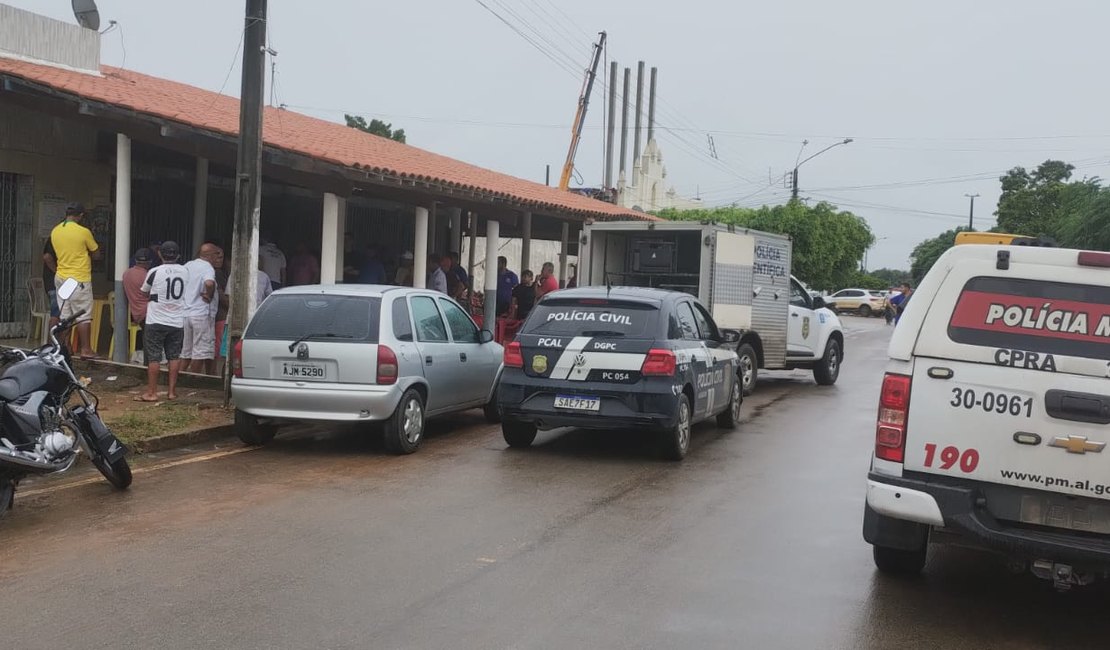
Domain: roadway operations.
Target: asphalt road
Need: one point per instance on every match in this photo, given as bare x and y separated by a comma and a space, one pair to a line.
586, 540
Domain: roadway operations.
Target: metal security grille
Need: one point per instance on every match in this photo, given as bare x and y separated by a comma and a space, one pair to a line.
15, 253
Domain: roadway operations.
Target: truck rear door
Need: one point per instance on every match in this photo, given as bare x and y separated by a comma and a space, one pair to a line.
1010, 380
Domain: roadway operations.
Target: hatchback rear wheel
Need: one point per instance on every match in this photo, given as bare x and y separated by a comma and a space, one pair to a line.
252, 431
404, 430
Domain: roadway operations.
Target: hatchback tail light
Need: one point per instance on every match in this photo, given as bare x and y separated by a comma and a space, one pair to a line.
237, 359
659, 363
894, 409
513, 357
387, 366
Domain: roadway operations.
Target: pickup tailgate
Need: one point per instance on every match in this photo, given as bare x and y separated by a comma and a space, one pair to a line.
1010, 380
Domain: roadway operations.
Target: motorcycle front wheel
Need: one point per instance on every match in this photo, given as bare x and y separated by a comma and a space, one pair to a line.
117, 473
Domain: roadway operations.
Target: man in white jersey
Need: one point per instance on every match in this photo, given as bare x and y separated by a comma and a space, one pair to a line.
198, 353
165, 319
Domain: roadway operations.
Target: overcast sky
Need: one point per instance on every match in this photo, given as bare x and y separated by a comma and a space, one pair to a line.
940, 97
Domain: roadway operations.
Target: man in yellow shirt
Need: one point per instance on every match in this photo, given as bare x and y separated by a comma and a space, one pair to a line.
75, 247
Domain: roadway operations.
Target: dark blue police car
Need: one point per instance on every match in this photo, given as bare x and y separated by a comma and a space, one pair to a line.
624, 357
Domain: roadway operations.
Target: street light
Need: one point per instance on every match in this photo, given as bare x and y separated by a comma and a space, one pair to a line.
797, 164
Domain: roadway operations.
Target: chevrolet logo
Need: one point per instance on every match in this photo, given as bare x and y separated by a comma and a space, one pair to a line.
1077, 445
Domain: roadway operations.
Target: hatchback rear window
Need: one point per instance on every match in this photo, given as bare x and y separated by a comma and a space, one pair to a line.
586, 317
320, 317
1033, 315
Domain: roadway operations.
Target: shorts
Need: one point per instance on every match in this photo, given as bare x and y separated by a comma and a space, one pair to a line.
200, 338
54, 311
220, 326
162, 339
80, 303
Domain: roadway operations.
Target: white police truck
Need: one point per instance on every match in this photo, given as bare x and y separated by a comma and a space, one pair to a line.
742, 275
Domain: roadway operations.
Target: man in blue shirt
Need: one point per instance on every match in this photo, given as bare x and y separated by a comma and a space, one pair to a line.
372, 271
457, 268
506, 282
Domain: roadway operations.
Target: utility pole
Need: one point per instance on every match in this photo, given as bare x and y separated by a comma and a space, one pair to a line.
971, 212
248, 179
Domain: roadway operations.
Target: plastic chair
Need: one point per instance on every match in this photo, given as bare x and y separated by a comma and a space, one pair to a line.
132, 329
38, 322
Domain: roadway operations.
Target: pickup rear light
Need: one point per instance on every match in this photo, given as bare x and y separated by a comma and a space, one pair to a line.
894, 409
513, 357
1091, 258
659, 363
237, 359
387, 366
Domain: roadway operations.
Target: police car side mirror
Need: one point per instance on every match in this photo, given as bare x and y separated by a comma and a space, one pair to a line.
819, 302
485, 336
730, 336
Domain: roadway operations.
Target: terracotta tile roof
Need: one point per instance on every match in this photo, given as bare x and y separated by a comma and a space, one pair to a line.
295, 132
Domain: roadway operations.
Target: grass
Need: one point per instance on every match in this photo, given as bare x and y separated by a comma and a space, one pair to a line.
154, 420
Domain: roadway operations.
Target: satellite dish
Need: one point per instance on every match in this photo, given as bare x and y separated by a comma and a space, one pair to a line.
86, 14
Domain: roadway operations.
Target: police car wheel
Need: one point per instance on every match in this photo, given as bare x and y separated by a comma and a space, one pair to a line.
896, 561
675, 441
827, 370
518, 434
730, 417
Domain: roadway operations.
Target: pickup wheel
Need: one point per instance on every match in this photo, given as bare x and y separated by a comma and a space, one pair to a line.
895, 561
518, 434
675, 441
404, 430
828, 369
251, 431
730, 417
749, 367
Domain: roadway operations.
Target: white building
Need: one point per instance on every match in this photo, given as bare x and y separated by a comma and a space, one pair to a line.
648, 190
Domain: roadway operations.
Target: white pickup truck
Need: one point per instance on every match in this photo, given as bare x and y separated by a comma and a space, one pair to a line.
742, 275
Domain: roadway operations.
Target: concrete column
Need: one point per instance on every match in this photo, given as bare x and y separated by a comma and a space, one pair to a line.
430, 248
420, 250
200, 203
473, 245
563, 250
526, 243
456, 230
493, 232
331, 242
122, 244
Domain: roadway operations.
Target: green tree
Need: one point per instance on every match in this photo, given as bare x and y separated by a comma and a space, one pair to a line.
865, 280
375, 126
892, 277
926, 253
827, 243
1036, 203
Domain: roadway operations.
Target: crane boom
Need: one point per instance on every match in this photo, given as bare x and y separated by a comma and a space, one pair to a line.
580, 115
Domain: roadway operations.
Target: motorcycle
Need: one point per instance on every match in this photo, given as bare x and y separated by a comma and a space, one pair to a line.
48, 416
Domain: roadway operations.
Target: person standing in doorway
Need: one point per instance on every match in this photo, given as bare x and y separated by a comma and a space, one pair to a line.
524, 296
372, 271
461, 276
304, 268
437, 279
506, 282
272, 261
546, 283
75, 248
133, 280
49, 270
352, 259
403, 277
165, 320
198, 352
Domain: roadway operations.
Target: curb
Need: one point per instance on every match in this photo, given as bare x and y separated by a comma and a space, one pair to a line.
184, 380
183, 439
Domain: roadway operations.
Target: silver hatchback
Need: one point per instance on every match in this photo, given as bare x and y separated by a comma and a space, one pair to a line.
355, 353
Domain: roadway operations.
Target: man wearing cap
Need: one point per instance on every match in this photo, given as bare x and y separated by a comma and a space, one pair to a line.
75, 247
165, 320
133, 279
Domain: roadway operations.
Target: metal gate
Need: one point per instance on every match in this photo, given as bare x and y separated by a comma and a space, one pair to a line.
16, 200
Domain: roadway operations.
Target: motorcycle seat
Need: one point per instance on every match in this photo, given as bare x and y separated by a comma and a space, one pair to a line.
9, 389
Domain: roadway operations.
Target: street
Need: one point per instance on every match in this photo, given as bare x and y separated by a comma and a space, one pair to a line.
322, 539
